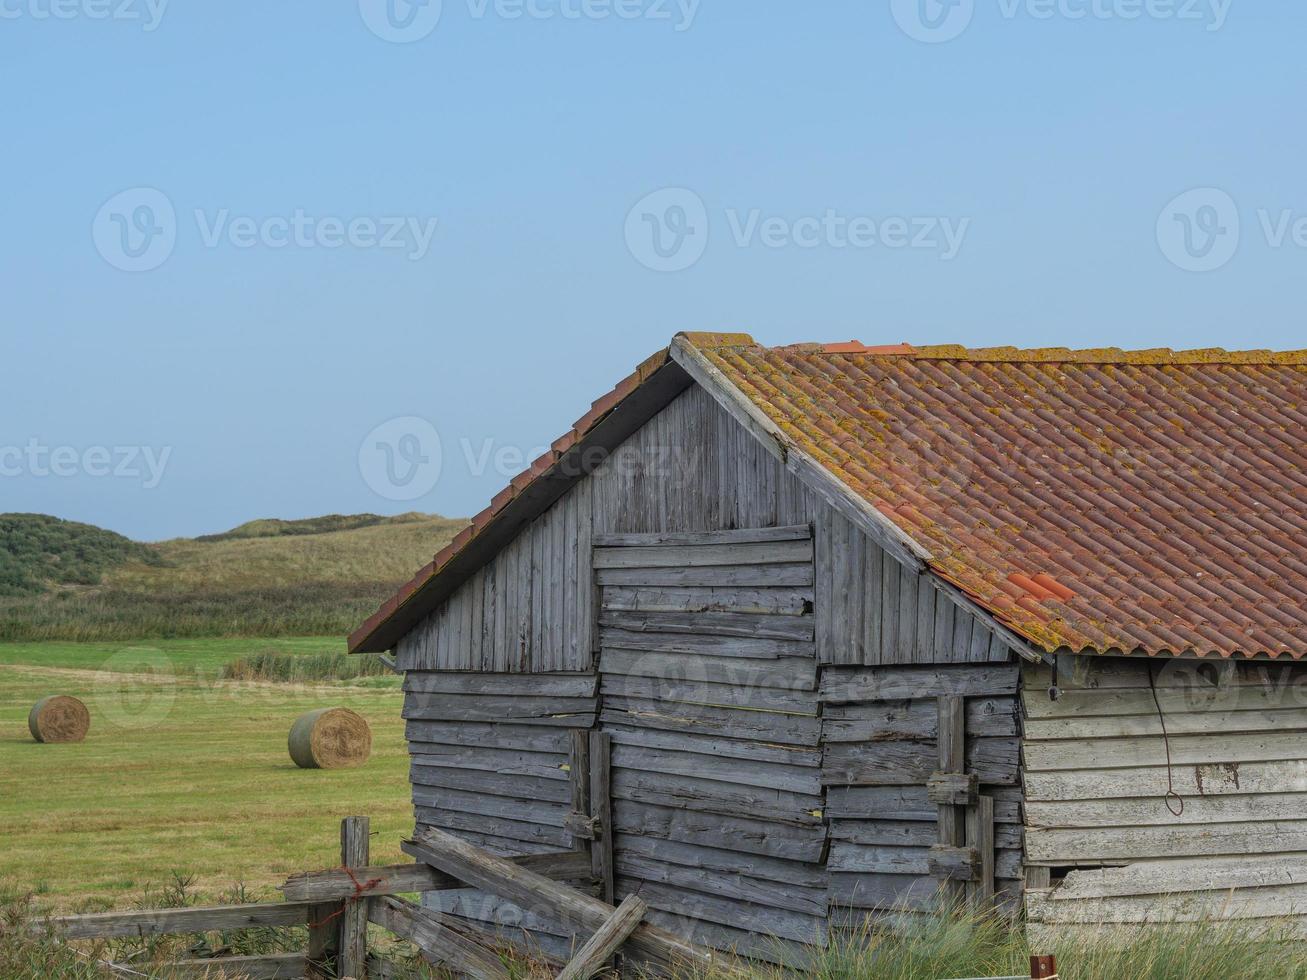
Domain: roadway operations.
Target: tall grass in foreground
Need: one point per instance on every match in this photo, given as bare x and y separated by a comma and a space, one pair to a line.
270, 665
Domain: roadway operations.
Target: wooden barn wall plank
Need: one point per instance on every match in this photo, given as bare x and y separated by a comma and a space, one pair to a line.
1230, 844
692, 468
880, 728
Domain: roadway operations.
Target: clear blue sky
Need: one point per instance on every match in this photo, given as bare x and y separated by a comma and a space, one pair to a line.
1051, 145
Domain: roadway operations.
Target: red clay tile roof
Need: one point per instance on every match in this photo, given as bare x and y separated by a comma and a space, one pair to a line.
1146, 501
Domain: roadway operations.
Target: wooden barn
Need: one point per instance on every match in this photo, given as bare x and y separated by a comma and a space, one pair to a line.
860, 626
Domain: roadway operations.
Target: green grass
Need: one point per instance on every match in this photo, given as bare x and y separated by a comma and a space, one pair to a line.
269, 665
266, 578
182, 771
39, 552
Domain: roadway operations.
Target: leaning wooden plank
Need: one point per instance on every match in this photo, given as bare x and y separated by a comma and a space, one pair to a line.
281, 966
483, 870
162, 922
795, 532
324, 886
608, 938
439, 942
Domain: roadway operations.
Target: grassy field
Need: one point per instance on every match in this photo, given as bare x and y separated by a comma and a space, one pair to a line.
182, 772
321, 576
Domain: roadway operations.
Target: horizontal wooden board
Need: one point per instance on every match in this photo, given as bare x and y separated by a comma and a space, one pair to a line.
711, 796
1241, 808
726, 769
532, 738
1098, 673
847, 857
1138, 843
753, 648
874, 721
1203, 779
558, 712
521, 685
1176, 876
459, 822
796, 874
1175, 702
1151, 726
543, 765
739, 831
703, 693
510, 808
751, 750
790, 532
1268, 902
751, 725
737, 887
909, 762
736, 942
751, 625
847, 684
729, 601
910, 833
723, 910
790, 674
910, 803
1185, 750
491, 783
864, 890
710, 576
694, 555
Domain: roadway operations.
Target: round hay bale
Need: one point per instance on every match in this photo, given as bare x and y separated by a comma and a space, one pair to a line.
330, 738
59, 718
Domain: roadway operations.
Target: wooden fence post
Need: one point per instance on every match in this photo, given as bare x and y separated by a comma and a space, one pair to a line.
354, 850
980, 835
1043, 968
601, 808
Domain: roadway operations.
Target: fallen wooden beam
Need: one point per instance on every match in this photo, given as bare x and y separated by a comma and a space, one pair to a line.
396, 879
162, 922
576, 910
287, 966
603, 945
440, 942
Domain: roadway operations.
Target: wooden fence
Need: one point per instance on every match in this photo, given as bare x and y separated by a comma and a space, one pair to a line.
337, 905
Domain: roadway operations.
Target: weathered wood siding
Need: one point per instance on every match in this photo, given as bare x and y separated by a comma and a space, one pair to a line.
691, 468
489, 755
709, 678
1096, 779
879, 735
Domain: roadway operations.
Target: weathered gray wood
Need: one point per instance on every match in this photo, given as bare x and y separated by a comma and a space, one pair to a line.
778, 727
908, 762
526, 810
701, 554
1200, 779
578, 778
712, 576
1059, 846
980, 836
953, 788
712, 796
788, 674
398, 879
552, 836
794, 532
761, 919
908, 803
843, 685
707, 645
748, 889
705, 743
522, 738
489, 873
542, 765
952, 743
607, 939
324, 936
1142, 811
354, 847
953, 864
484, 685
703, 692
438, 940
726, 601
740, 772
162, 922
799, 879
753, 625
561, 712
742, 831
876, 721
601, 809
491, 783
911, 833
